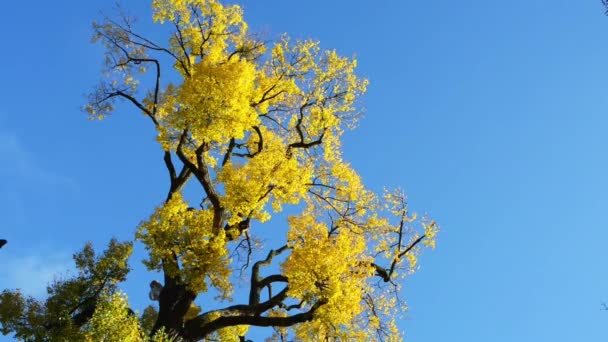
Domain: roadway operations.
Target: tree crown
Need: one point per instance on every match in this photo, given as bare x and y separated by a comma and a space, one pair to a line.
257, 125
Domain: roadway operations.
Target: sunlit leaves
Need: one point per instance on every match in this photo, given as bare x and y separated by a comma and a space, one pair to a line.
177, 232
113, 322
329, 269
208, 28
214, 103
258, 124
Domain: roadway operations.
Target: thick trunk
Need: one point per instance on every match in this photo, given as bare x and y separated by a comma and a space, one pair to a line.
174, 302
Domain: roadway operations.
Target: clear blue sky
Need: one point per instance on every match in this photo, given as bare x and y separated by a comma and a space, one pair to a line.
492, 115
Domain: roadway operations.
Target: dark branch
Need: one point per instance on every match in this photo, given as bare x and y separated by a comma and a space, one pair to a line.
170, 167
201, 172
386, 274
145, 43
197, 329
275, 278
256, 281
259, 308
231, 146
302, 144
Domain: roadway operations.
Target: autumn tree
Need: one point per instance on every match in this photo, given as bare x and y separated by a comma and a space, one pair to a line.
256, 125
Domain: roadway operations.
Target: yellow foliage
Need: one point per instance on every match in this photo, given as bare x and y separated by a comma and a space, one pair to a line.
259, 125
206, 25
271, 176
176, 231
332, 269
214, 103
112, 321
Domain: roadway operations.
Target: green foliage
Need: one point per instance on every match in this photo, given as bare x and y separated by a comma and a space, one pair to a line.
148, 318
71, 302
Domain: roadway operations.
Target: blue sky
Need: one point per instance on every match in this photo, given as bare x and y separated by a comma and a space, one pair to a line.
490, 114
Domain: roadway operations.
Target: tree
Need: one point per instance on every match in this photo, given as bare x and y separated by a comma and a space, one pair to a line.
257, 125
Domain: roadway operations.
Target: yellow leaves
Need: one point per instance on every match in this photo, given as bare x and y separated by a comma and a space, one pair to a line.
340, 268
175, 230
278, 53
272, 89
341, 190
294, 59
129, 81
259, 126
319, 91
214, 103
350, 188
328, 87
182, 10
395, 202
332, 269
430, 232
271, 175
206, 27
412, 260
394, 240
111, 321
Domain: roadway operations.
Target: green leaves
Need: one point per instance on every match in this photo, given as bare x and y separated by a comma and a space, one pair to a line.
71, 302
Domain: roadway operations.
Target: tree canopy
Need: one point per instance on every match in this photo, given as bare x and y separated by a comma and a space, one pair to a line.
257, 125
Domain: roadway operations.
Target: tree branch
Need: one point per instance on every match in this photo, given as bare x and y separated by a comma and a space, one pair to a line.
198, 329
256, 286
386, 274
201, 172
170, 167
